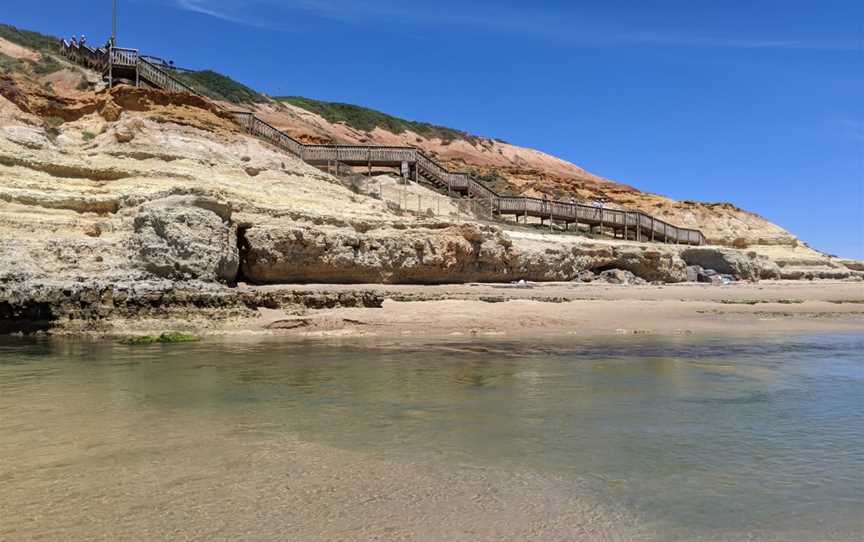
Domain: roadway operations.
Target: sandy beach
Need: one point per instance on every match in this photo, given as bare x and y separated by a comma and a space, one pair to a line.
571, 309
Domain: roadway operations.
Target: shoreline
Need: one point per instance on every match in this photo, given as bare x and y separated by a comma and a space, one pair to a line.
452, 312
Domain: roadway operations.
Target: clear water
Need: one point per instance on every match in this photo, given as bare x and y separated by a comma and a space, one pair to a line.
703, 439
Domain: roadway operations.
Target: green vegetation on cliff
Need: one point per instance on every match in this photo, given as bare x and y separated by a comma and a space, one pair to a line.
169, 337
221, 87
44, 65
9, 64
29, 39
366, 120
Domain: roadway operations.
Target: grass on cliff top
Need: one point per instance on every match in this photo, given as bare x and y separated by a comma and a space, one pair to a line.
9, 64
221, 87
35, 41
495, 181
29, 39
45, 65
366, 120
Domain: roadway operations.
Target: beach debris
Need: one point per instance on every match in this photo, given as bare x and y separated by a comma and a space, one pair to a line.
521, 283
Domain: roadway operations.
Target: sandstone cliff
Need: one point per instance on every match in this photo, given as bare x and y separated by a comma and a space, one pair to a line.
517, 170
137, 198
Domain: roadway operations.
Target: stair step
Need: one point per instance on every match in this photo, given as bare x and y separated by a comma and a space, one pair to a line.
154, 76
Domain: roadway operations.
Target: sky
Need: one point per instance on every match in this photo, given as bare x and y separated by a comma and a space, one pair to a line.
756, 102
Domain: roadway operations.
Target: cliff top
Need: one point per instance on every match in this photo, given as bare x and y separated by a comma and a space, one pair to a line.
35, 75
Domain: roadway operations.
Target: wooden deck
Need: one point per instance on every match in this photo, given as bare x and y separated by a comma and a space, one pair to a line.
128, 65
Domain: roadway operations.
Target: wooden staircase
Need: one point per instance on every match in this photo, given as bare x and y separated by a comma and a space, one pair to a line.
127, 65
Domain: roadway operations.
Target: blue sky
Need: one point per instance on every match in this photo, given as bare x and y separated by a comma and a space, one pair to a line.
756, 102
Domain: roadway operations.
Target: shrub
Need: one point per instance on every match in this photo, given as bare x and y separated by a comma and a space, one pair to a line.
88, 136
46, 65
9, 64
52, 125
31, 40
220, 87
366, 120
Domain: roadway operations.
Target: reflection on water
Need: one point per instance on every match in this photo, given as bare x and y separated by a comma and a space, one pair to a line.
704, 438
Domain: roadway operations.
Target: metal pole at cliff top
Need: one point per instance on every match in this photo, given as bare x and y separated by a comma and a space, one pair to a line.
114, 23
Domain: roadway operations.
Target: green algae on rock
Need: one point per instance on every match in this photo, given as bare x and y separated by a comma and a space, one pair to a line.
168, 337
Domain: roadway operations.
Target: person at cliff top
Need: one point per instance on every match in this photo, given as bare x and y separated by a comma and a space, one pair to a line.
83, 40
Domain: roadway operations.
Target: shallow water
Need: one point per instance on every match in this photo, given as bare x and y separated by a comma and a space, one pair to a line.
713, 439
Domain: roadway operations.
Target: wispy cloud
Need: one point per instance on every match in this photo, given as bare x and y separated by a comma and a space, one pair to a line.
673, 39
219, 10
854, 128
382, 12
570, 27
677, 40
201, 6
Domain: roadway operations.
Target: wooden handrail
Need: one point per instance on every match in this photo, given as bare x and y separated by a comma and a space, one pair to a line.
161, 78
641, 222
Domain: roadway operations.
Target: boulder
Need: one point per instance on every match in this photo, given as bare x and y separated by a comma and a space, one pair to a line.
585, 276
768, 269
418, 256
693, 272
620, 276
720, 280
650, 264
741, 265
705, 275
186, 238
26, 136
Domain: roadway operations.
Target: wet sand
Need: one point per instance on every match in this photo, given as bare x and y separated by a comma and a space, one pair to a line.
155, 480
568, 309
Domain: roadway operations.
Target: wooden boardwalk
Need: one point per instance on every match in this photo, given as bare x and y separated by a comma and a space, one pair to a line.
127, 65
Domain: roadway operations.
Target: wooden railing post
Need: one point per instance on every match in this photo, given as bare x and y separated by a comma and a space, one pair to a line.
576, 216
332, 153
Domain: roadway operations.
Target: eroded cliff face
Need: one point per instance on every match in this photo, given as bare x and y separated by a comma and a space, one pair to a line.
141, 200
530, 172
67, 94
439, 253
